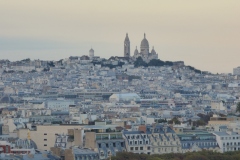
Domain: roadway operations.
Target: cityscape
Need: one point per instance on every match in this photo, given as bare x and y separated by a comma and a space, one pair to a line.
136, 106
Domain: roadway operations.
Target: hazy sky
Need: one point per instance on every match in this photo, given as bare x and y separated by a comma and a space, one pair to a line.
203, 33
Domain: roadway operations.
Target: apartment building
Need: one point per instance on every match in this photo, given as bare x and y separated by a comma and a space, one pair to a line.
198, 141
163, 139
105, 143
137, 142
228, 141
44, 135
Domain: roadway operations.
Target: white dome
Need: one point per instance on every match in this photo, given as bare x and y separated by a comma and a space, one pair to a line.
153, 51
91, 50
136, 51
144, 43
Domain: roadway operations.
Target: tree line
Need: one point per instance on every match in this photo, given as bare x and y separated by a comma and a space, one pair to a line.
203, 155
139, 62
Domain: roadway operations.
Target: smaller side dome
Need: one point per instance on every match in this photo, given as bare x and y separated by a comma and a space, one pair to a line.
153, 51
136, 51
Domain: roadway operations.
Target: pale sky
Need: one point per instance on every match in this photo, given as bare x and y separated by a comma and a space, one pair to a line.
203, 33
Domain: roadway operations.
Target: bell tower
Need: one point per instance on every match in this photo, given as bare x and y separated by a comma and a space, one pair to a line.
126, 46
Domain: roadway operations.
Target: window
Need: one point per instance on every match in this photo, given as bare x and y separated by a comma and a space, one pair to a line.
121, 144
146, 142
45, 139
45, 133
148, 148
233, 137
136, 148
131, 148
141, 148
45, 145
140, 142
135, 142
130, 142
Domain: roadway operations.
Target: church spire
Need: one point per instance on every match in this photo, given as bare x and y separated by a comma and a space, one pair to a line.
144, 35
126, 38
126, 46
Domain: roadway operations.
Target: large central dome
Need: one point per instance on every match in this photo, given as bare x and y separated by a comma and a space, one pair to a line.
144, 43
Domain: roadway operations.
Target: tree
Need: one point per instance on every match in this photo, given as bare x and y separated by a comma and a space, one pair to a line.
238, 107
175, 120
196, 157
156, 62
161, 120
140, 62
200, 123
51, 64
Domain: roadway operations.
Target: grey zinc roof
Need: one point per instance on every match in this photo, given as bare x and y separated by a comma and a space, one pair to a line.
225, 133
83, 151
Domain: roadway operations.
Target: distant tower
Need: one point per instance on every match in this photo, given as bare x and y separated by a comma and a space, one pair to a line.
91, 53
126, 47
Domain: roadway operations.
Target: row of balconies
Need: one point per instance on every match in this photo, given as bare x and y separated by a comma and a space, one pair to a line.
139, 142
172, 143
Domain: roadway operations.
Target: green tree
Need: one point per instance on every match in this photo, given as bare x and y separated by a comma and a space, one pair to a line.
140, 62
175, 120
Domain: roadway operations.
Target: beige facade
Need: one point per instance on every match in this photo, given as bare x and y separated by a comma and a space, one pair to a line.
90, 140
67, 153
44, 136
219, 121
217, 105
78, 137
5, 129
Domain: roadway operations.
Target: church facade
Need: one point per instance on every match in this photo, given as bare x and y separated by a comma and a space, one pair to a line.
144, 50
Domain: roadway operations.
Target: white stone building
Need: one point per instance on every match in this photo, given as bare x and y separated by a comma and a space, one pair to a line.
228, 141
